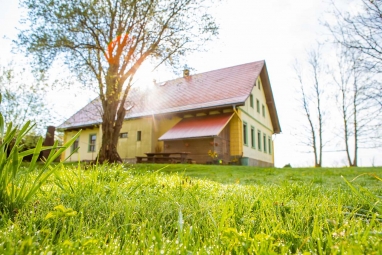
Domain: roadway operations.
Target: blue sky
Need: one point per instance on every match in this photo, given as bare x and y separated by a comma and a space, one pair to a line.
277, 31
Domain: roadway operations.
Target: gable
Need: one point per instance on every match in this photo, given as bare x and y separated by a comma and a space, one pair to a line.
260, 104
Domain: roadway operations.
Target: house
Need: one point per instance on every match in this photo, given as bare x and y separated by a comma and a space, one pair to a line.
230, 111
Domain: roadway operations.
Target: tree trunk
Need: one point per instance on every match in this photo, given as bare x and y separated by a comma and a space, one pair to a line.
347, 142
110, 133
318, 94
355, 163
314, 144
111, 121
346, 125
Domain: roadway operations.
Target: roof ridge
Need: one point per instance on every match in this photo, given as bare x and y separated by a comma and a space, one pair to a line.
215, 70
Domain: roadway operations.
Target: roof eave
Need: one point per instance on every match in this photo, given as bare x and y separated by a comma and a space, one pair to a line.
270, 100
71, 128
193, 137
225, 106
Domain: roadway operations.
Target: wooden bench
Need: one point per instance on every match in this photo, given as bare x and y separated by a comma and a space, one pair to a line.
158, 159
167, 157
141, 159
163, 159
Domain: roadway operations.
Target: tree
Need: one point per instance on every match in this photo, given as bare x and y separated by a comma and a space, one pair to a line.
360, 34
360, 31
23, 98
346, 80
360, 113
108, 40
311, 98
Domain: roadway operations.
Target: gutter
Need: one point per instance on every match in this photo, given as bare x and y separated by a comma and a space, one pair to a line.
184, 111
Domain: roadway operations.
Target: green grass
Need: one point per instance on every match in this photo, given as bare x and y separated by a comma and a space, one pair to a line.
198, 209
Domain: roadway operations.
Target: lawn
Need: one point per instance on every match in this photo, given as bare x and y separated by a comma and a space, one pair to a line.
199, 209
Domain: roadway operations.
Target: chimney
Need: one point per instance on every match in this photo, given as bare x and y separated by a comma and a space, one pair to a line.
186, 72
49, 140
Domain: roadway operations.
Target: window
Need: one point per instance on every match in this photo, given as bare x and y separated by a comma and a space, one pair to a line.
263, 110
92, 143
265, 143
75, 144
123, 135
259, 140
245, 133
251, 100
258, 105
269, 145
258, 83
253, 137
139, 135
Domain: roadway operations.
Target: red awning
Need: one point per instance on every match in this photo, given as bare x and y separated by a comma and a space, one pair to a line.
198, 127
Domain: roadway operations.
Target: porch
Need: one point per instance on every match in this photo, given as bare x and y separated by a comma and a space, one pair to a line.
201, 136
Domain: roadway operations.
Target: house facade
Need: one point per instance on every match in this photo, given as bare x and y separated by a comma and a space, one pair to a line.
230, 112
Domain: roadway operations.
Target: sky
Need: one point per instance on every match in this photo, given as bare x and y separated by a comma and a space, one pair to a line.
279, 32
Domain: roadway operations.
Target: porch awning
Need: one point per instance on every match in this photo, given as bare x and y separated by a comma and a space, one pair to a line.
198, 127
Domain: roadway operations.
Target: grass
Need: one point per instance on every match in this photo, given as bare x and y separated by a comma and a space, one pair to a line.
198, 209
16, 188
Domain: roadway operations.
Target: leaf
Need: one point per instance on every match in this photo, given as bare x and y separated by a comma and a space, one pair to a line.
50, 215
60, 208
1, 126
374, 205
16, 188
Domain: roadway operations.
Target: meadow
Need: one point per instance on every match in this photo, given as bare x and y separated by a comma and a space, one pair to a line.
198, 209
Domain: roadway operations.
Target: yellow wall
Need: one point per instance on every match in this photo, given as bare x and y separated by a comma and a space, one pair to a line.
129, 147
162, 125
83, 152
255, 119
236, 135
151, 127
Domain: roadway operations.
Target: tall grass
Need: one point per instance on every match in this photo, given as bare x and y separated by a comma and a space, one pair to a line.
16, 186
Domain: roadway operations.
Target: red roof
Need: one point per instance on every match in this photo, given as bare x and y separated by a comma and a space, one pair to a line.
219, 88
205, 126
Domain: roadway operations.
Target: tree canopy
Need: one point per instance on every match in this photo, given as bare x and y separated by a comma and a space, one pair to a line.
360, 31
106, 41
23, 98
